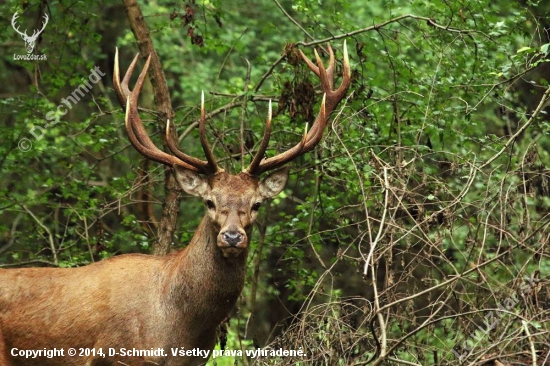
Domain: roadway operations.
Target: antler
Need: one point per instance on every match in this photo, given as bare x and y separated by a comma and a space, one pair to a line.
138, 136
36, 33
13, 19
331, 98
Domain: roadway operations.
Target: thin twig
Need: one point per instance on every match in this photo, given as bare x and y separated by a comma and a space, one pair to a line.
512, 139
312, 219
382, 221
292, 19
383, 339
12, 234
222, 109
531, 343
243, 110
444, 283
429, 21
50, 236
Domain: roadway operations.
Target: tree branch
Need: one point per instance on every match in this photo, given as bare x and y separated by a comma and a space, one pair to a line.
170, 211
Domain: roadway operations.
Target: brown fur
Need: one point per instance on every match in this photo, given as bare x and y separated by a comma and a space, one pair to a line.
137, 301
144, 302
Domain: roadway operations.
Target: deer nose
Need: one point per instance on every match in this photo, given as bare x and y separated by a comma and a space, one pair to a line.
232, 238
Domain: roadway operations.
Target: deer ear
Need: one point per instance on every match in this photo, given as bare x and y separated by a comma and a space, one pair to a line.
274, 183
190, 181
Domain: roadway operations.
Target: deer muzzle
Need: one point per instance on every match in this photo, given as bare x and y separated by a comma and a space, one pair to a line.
232, 242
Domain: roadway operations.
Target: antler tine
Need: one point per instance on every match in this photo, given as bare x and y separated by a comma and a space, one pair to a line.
132, 96
326, 75
149, 152
16, 28
319, 69
202, 166
346, 81
206, 167
134, 127
263, 145
212, 165
122, 90
331, 98
46, 18
170, 141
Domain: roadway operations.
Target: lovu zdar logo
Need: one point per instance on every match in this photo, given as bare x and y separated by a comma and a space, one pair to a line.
30, 41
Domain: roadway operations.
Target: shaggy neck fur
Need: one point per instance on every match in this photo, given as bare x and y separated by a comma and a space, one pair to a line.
202, 284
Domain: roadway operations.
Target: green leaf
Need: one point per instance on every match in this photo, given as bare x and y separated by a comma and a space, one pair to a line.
525, 49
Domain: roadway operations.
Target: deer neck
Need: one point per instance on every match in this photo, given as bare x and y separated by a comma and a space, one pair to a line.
201, 280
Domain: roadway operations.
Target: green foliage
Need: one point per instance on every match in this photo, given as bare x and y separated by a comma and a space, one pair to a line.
434, 97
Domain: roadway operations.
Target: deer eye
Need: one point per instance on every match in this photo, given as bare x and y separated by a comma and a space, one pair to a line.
256, 206
210, 205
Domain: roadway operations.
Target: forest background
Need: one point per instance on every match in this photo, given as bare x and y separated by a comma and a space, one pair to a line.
417, 233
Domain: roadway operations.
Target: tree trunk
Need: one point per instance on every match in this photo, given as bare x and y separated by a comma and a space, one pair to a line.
167, 224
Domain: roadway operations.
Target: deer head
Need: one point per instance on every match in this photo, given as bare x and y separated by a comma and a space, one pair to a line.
232, 200
30, 41
179, 300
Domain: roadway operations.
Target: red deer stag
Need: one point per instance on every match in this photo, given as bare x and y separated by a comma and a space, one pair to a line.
149, 308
